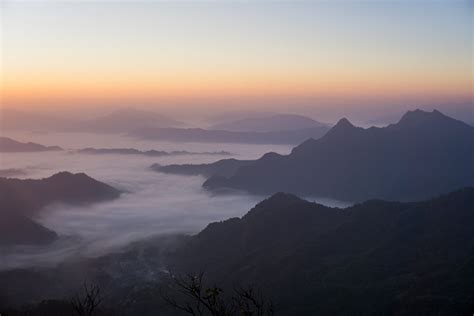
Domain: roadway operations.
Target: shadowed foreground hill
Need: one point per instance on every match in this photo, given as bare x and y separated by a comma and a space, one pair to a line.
377, 257
425, 154
20, 199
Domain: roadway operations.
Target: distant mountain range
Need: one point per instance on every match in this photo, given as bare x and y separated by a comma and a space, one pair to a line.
200, 135
126, 120
32, 121
10, 145
230, 116
119, 121
374, 258
21, 200
262, 129
272, 123
151, 153
423, 155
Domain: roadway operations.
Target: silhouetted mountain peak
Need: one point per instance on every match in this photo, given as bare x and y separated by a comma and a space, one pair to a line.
343, 123
279, 200
282, 196
418, 116
343, 126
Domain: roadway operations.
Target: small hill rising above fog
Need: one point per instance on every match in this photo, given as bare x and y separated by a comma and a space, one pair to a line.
20, 199
371, 258
11, 145
225, 168
277, 122
30, 195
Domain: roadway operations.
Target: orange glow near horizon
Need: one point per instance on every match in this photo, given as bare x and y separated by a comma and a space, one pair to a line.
85, 53
28, 90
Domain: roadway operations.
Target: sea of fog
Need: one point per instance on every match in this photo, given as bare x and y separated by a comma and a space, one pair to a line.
154, 204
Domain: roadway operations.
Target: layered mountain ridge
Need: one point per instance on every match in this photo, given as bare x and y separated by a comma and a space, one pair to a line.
423, 155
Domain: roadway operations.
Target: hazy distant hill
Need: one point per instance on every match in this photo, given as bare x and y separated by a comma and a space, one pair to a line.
277, 122
225, 168
229, 116
375, 258
11, 172
20, 199
33, 121
151, 153
423, 155
221, 136
118, 121
127, 120
10, 145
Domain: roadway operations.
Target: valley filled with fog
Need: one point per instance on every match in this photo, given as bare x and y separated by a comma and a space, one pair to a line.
236, 158
152, 203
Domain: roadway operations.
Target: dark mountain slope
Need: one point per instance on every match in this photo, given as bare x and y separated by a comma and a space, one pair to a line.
423, 155
373, 258
16, 229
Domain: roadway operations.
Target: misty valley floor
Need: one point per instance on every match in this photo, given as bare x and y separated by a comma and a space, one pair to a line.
154, 203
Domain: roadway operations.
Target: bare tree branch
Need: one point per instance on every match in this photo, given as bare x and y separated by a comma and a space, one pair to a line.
195, 298
86, 303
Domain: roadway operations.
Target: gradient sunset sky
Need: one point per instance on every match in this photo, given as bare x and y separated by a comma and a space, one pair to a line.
242, 54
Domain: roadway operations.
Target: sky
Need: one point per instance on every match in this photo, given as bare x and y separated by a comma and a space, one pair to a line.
265, 55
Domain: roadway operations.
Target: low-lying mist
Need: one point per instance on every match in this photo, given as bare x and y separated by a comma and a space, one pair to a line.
153, 203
